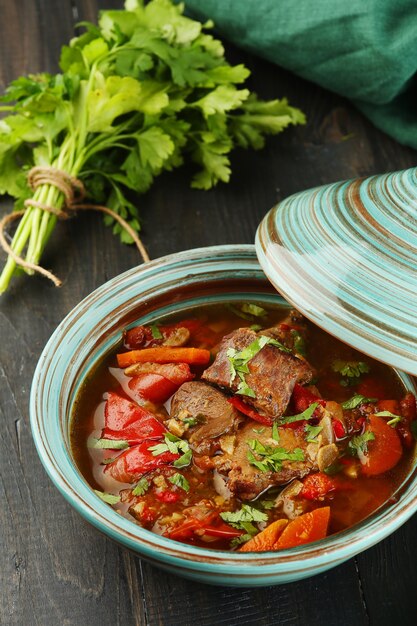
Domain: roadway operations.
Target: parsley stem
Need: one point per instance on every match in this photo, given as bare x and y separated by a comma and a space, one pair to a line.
18, 243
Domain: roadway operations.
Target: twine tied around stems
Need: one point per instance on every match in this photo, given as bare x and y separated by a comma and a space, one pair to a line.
73, 191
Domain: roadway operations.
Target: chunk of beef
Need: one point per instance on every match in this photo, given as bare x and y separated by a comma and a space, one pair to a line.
247, 481
214, 414
272, 373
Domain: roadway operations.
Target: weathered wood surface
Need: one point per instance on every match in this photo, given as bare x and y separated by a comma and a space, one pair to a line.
54, 568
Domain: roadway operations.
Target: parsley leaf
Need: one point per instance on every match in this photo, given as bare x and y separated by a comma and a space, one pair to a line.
179, 480
312, 432
270, 457
350, 368
253, 309
267, 504
356, 400
107, 444
107, 497
175, 445
109, 459
333, 469
395, 419
305, 415
141, 488
247, 514
275, 432
351, 371
358, 446
299, 344
184, 460
237, 541
156, 333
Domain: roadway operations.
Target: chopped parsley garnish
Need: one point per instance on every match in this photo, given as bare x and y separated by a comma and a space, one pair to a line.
179, 481
184, 460
107, 497
267, 504
247, 311
305, 415
357, 400
312, 432
351, 371
156, 333
141, 488
253, 309
394, 418
107, 444
239, 361
175, 445
193, 421
271, 457
237, 541
256, 327
109, 459
358, 446
244, 518
333, 469
275, 432
298, 343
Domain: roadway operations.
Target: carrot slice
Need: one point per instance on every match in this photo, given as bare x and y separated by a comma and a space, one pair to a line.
305, 529
266, 539
384, 451
164, 354
393, 406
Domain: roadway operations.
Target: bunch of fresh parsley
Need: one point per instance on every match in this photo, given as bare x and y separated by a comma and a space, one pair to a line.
137, 94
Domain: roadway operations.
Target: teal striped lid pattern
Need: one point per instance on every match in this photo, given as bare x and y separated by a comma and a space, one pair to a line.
345, 255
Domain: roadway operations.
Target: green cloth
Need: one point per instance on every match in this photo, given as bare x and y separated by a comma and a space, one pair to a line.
365, 50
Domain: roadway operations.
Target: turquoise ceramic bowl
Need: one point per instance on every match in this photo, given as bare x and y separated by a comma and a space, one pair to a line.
94, 327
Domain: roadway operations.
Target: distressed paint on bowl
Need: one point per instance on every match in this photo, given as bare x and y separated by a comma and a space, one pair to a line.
345, 255
94, 327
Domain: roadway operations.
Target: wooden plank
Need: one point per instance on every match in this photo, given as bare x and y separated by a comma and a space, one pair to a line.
176, 602
389, 579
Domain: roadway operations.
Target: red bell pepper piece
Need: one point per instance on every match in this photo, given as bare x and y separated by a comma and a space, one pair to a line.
223, 531
303, 398
156, 382
152, 387
145, 429
205, 526
249, 411
186, 529
317, 486
167, 496
338, 429
128, 421
137, 461
120, 412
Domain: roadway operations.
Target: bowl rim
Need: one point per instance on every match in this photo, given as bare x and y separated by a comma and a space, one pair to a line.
325, 553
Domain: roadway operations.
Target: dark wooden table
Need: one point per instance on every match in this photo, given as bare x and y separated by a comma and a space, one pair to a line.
57, 570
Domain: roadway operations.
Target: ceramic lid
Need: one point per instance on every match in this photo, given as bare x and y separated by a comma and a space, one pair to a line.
345, 255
